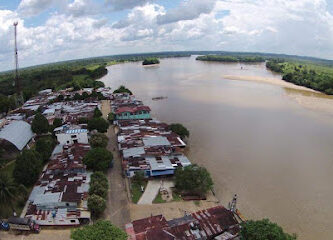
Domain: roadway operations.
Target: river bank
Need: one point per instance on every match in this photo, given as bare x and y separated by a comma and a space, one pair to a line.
248, 136
306, 97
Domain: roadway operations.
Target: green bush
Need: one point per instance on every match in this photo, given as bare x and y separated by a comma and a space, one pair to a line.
101, 230
96, 205
98, 159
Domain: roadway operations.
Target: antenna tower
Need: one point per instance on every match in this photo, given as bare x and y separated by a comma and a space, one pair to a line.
17, 80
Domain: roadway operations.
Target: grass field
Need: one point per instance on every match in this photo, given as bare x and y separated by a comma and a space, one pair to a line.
136, 192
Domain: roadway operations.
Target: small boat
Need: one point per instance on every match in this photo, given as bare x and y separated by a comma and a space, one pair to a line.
159, 98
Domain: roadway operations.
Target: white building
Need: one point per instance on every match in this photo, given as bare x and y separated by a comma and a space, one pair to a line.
72, 136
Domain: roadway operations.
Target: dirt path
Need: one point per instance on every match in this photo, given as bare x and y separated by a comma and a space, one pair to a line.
45, 234
117, 204
105, 108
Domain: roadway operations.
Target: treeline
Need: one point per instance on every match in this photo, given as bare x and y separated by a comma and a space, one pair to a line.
319, 78
34, 80
223, 58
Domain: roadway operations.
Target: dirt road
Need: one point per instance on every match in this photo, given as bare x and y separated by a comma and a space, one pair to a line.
117, 204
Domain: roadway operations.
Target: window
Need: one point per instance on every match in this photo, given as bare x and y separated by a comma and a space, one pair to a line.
72, 221
73, 136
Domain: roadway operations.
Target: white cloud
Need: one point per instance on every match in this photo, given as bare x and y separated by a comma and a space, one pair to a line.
117, 5
188, 10
34, 7
77, 30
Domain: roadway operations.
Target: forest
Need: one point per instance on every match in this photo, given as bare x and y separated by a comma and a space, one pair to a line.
318, 77
226, 58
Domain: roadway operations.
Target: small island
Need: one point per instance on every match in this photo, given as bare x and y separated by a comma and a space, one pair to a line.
228, 58
150, 61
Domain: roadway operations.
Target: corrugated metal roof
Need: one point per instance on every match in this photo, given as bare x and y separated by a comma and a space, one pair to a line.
18, 133
132, 152
155, 141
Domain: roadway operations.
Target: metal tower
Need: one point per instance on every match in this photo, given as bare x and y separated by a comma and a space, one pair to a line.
19, 96
17, 82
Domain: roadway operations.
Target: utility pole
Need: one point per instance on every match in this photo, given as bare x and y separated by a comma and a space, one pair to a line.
17, 80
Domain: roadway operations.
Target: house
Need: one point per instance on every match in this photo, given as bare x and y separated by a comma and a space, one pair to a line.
59, 198
70, 135
213, 223
132, 112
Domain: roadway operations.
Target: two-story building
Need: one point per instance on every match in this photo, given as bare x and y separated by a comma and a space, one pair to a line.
132, 112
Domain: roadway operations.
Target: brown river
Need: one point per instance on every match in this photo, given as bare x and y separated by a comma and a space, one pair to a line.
270, 144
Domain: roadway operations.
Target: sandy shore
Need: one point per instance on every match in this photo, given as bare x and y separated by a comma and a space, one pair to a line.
306, 97
274, 81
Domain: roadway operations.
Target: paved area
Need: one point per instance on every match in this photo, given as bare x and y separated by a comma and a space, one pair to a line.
152, 190
118, 203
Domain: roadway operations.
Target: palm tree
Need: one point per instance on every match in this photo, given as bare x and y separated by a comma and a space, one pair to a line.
9, 190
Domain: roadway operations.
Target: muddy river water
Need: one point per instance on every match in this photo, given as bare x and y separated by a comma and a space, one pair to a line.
271, 145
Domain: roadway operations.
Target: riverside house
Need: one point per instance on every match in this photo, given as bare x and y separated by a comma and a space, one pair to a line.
133, 112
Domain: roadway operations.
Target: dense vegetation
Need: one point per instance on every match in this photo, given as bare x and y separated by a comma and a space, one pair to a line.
150, 61
123, 89
262, 230
179, 129
98, 140
40, 124
38, 78
99, 124
101, 230
223, 58
98, 159
193, 179
317, 77
28, 167
98, 193
44, 146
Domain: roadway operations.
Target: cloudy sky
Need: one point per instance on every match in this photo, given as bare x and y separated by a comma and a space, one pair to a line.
54, 30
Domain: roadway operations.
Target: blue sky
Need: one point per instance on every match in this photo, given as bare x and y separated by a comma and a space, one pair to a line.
56, 30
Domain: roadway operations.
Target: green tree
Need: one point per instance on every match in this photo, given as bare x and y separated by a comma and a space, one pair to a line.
123, 89
85, 95
111, 117
263, 230
180, 130
139, 177
4, 104
101, 230
96, 205
100, 124
97, 113
57, 122
98, 159
40, 124
100, 178
98, 189
193, 179
149, 61
83, 120
9, 190
77, 96
27, 167
98, 140
45, 146
60, 98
